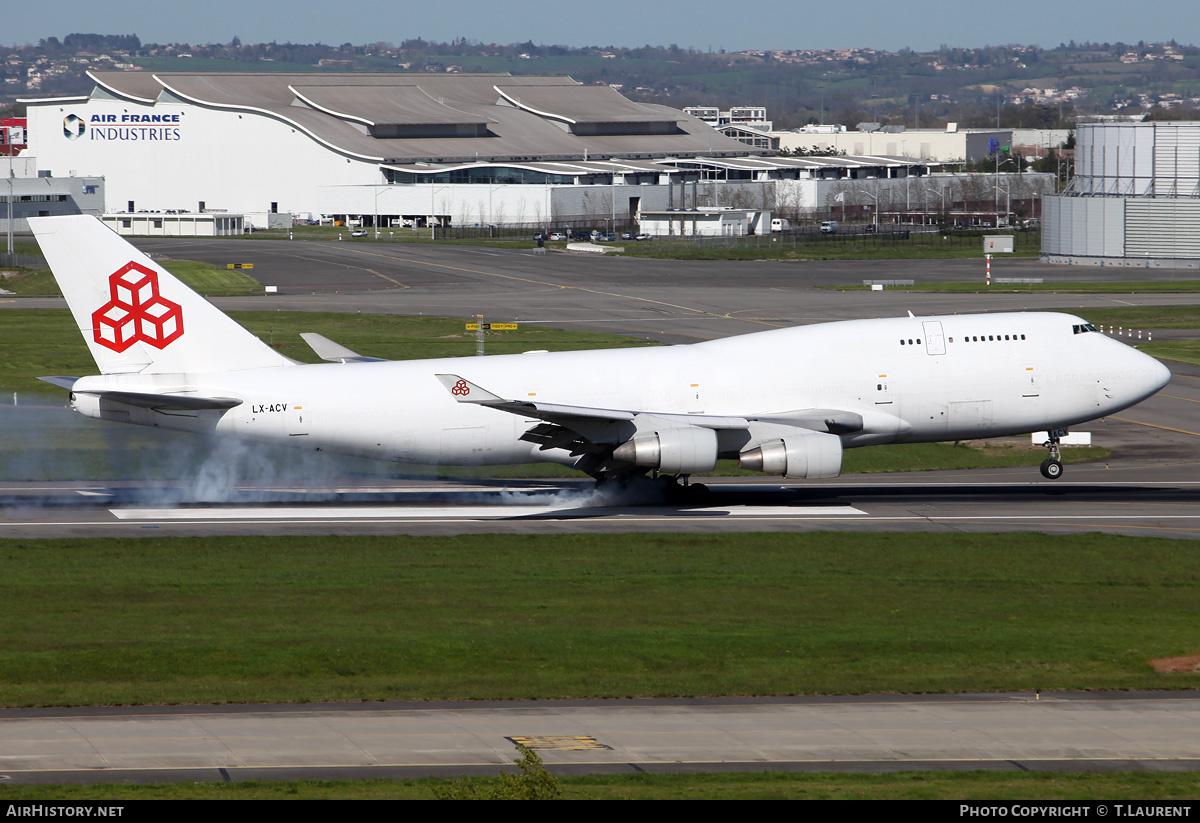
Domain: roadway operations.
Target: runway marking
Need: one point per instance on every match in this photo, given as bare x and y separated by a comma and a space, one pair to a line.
329, 513
561, 743
1175, 397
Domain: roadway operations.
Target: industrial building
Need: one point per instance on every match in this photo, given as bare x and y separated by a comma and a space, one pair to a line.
33, 193
941, 146
460, 148
1134, 198
419, 149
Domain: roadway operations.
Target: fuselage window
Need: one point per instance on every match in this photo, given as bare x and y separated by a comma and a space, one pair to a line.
1022, 337
901, 342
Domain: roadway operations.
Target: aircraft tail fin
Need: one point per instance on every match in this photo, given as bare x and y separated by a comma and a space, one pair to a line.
135, 316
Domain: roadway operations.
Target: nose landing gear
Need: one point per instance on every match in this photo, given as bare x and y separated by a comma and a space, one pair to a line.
1052, 467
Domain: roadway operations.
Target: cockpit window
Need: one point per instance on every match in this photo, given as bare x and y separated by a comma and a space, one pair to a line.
1083, 328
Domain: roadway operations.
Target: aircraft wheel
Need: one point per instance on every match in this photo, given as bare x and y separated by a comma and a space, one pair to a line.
1052, 469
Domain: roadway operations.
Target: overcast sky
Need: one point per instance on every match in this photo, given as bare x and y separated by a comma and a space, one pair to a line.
700, 24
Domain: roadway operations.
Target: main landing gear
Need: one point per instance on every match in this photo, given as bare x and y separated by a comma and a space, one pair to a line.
1052, 467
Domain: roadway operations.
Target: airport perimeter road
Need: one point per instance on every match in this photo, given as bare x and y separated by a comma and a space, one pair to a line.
1058, 732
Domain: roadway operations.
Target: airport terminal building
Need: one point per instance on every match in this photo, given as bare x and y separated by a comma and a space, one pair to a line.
459, 149
1134, 199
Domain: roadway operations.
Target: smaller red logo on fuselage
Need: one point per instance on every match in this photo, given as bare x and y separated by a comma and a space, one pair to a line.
136, 311
461, 389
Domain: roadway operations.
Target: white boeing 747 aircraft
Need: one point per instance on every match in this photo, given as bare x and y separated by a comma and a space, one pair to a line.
785, 402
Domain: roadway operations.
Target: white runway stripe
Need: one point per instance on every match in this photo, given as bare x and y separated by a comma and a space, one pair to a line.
464, 512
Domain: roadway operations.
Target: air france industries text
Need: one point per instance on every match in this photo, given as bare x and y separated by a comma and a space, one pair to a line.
161, 133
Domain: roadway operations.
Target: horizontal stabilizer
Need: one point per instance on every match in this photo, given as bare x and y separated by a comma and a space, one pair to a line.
326, 349
62, 382
168, 402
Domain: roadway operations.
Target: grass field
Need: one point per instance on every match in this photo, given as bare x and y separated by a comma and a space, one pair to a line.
205, 278
264, 619
39, 342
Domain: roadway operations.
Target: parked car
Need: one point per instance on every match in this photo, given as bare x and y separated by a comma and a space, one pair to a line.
628, 235
604, 236
645, 237
359, 233
557, 235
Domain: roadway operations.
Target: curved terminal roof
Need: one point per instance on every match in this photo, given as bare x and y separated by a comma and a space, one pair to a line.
453, 118
581, 104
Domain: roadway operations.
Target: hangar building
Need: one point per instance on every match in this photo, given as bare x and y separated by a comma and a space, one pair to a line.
1134, 199
434, 149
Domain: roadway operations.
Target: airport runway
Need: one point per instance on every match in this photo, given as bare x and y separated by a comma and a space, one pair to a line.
1010, 732
1150, 485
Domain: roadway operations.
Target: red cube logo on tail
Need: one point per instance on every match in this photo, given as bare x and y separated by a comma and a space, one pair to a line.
136, 311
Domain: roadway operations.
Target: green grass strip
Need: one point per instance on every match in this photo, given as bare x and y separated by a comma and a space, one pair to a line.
265, 619
205, 278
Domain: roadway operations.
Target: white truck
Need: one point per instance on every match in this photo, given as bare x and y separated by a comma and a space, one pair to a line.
780, 224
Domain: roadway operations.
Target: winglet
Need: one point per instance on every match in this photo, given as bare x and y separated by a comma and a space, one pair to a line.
465, 391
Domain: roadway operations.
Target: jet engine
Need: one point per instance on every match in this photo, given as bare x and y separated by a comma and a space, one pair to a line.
804, 454
687, 450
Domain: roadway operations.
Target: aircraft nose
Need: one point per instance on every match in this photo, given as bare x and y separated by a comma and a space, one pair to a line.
1148, 374
1162, 375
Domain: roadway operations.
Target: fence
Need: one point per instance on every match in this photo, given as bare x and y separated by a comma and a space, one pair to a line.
22, 261
1023, 240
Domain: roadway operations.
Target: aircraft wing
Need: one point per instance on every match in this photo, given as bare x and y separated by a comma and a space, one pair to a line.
833, 421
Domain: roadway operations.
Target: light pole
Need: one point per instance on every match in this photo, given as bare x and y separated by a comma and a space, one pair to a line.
375, 191
8, 145
875, 197
939, 191
1007, 193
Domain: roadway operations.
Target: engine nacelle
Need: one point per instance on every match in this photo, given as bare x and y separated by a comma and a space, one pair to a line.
805, 454
688, 450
